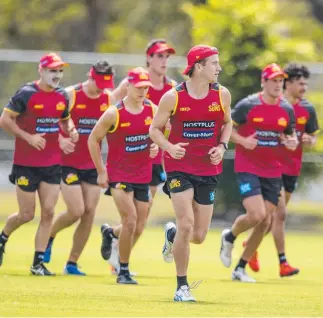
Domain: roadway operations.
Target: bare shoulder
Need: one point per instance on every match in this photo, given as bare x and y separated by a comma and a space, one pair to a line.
225, 96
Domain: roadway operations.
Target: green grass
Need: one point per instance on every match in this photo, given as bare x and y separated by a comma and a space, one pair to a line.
99, 295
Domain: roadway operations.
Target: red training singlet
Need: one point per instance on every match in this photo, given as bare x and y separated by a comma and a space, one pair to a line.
199, 122
128, 146
85, 112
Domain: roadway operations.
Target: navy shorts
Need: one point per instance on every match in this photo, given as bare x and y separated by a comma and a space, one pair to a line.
289, 183
158, 175
204, 186
73, 176
141, 190
251, 185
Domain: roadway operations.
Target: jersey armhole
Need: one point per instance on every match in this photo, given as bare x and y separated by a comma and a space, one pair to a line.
73, 99
176, 104
116, 125
220, 98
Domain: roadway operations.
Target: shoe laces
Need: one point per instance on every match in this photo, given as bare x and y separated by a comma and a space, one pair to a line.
194, 285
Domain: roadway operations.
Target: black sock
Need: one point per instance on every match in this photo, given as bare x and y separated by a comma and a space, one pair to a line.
38, 258
171, 234
124, 269
3, 238
282, 258
230, 237
71, 263
110, 232
50, 241
242, 264
181, 281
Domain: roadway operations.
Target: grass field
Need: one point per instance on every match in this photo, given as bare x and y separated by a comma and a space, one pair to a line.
99, 295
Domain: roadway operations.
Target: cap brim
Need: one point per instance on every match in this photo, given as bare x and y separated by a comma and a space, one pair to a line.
170, 50
277, 74
104, 84
187, 69
141, 84
57, 64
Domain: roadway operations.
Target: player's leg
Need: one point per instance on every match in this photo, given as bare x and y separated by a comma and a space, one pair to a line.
26, 186
73, 197
91, 196
124, 200
253, 203
278, 226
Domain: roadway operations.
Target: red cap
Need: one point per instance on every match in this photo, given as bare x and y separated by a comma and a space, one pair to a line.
102, 81
197, 53
51, 60
160, 47
139, 77
272, 70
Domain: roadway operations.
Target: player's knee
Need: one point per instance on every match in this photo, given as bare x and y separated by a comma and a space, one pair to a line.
129, 223
185, 227
280, 215
140, 226
199, 237
27, 216
47, 215
257, 216
76, 211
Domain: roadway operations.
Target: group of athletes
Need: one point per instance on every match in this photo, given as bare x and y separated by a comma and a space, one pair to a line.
157, 132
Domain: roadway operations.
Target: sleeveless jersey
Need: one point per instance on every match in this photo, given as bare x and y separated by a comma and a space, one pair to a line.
155, 95
198, 122
128, 142
85, 112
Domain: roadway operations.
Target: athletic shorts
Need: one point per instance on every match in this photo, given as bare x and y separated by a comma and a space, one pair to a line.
289, 183
141, 190
158, 175
204, 186
29, 178
251, 185
73, 176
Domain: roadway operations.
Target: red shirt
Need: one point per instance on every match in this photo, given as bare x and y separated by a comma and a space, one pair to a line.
199, 122
155, 95
252, 115
306, 121
128, 142
85, 112
39, 112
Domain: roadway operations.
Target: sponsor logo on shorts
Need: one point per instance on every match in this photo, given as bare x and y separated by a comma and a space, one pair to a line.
71, 178
174, 183
212, 196
23, 181
245, 188
60, 106
120, 186
214, 107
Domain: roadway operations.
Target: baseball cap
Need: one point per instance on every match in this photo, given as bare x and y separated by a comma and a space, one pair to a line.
52, 60
198, 53
272, 70
160, 47
102, 81
139, 77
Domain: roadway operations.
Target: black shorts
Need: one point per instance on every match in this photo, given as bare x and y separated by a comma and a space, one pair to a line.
141, 190
29, 178
204, 186
158, 175
73, 176
250, 185
289, 183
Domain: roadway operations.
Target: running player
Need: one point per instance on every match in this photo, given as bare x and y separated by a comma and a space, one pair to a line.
199, 113
261, 120
295, 87
129, 165
157, 56
88, 102
33, 116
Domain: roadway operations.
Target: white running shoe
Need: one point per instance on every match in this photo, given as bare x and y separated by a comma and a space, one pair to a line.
168, 245
114, 257
226, 249
184, 294
241, 275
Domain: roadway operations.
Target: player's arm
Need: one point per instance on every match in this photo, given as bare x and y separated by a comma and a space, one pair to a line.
226, 104
289, 137
154, 149
106, 122
311, 129
121, 91
239, 116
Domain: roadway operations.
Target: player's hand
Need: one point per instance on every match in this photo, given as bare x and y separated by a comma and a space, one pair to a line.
250, 142
153, 151
103, 179
216, 154
37, 141
74, 135
178, 151
66, 145
308, 140
290, 142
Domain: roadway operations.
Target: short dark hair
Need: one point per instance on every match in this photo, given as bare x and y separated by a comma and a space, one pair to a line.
296, 71
151, 44
191, 71
103, 67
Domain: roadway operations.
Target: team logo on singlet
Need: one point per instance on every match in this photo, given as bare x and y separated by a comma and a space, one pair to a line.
301, 120
148, 121
60, 106
214, 107
104, 107
282, 122
23, 181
